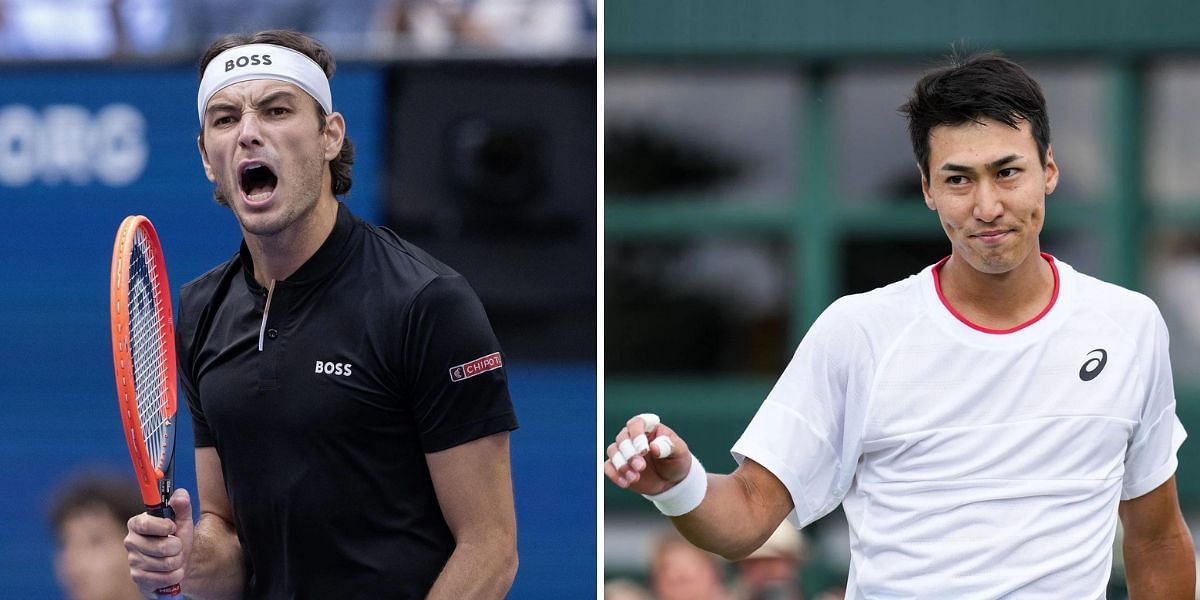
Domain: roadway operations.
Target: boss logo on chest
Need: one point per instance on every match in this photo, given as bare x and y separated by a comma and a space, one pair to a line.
332, 368
246, 61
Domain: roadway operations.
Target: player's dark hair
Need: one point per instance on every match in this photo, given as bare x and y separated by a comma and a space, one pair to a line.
114, 495
339, 167
984, 85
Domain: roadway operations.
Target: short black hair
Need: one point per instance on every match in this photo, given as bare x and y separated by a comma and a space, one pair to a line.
983, 85
114, 495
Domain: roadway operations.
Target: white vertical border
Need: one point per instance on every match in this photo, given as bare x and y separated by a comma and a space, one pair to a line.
599, 444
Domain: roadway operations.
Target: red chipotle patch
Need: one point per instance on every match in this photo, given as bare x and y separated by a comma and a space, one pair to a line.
483, 364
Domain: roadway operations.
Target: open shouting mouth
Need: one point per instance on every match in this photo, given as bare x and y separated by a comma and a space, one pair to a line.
257, 181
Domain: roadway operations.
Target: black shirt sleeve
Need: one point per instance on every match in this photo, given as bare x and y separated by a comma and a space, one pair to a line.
453, 367
187, 385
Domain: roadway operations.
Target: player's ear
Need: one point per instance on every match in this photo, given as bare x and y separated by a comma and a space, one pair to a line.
925, 189
334, 134
1051, 170
208, 170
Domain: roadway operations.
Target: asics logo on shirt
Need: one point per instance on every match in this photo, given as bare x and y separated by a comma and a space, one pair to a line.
1094, 365
332, 368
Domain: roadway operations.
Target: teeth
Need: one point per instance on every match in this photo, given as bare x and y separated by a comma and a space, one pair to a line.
259, 197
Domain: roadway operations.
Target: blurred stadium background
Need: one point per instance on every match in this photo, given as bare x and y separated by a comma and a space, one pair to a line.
756, 169
475, 128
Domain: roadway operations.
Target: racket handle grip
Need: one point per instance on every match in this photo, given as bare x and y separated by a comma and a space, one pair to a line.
163, 510
171, 592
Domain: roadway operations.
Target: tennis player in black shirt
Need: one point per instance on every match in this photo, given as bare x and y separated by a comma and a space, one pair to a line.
349, 398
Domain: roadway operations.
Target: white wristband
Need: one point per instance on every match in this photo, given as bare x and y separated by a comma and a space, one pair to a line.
684, 496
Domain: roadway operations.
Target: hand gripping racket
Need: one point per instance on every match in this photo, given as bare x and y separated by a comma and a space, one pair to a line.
143, 338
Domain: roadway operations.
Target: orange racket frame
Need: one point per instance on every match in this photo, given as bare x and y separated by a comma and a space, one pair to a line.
154, 473
149, 474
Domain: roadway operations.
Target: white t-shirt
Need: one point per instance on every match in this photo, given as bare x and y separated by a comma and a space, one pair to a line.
974, 463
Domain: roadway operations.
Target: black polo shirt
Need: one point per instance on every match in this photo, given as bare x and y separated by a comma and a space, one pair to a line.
372, 355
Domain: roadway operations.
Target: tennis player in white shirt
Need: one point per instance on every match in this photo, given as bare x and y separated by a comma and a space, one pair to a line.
985, 422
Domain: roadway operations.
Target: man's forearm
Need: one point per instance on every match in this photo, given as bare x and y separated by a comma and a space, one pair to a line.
483, 571
729, 522
1163, 569
215, 570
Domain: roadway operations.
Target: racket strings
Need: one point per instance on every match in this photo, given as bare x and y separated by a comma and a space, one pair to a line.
147, 350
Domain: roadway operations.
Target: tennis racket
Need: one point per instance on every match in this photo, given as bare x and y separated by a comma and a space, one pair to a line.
143, 339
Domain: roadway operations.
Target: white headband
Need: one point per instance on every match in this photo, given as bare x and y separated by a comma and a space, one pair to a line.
263, 61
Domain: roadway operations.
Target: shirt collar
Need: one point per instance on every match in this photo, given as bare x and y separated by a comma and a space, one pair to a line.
322, 263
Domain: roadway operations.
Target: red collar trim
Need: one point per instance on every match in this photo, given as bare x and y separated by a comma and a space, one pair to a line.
937, 285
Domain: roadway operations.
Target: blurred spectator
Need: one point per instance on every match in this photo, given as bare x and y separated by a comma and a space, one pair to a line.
82, 29
339, 25
773, 571
423, 26
88, 516
681, 571
625, 589
531, 25
510, 26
